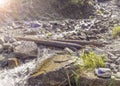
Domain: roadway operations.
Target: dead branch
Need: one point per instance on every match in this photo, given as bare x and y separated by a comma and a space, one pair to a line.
51, 43
83, 43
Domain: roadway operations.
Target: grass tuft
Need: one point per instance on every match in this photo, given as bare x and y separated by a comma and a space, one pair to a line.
90, 60
115, 31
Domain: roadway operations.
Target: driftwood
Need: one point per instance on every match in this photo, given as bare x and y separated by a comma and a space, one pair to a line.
62, 43
51, 43
83, 43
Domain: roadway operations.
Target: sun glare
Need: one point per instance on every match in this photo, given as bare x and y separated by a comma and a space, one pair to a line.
3, 3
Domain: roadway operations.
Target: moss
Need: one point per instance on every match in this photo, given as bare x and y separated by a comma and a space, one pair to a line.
89, 61
115, 31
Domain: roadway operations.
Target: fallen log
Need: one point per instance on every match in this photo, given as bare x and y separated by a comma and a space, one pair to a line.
51, 43
83, 43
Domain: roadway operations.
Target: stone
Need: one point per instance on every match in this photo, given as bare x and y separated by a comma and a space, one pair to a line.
117, 75
34, 25
117, 62
8, 47
9, 39
9, 63
107, 65
13, 62
26, 48
1, 48
52, 71
103, 72
113, 67
2, 40
118, 68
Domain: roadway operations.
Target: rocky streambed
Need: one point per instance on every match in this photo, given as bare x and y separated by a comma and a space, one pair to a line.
43, 53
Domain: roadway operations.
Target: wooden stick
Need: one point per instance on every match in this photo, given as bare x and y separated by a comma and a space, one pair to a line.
51, 43
83, 43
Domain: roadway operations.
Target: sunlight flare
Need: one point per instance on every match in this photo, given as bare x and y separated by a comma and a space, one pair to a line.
3, 3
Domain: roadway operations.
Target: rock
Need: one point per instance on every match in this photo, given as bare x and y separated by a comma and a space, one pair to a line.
1, 48
2, 40
26, 48
103, 72
8, 39
8, 47
1, 57
107, 65
118, 68
117, 75
34, 25
52, 71
13, 62
117, 62
113, 67
9, 63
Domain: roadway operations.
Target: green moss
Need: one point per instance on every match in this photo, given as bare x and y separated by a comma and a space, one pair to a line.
115, 31
90, 61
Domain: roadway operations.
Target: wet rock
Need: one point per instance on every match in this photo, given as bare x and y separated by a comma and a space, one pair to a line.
26, 49
103, 72
2, 40
52, 71
13, 62
9, 63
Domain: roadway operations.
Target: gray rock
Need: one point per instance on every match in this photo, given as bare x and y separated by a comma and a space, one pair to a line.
114, 67
2, 40
8, 47
1, 48
117, 75
107, 65
9, 39
117, 62
26, 48
118, 68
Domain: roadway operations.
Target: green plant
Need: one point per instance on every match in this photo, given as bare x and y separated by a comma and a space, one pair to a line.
115, 31
89, 60
111, 82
